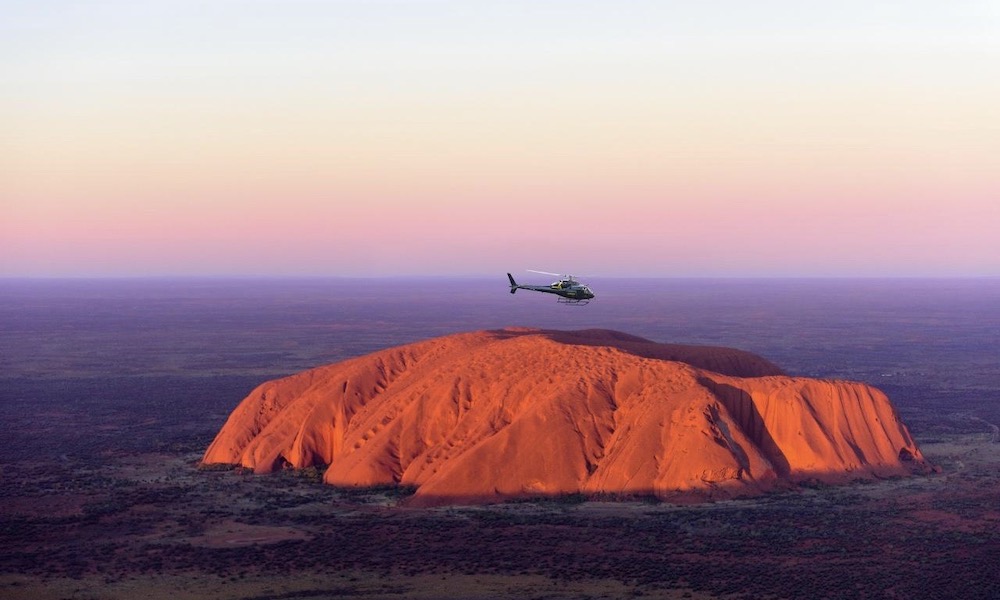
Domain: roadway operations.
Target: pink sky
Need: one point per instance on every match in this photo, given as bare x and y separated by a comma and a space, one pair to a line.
388, 138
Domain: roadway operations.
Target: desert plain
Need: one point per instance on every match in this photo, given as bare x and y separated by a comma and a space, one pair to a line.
113, 391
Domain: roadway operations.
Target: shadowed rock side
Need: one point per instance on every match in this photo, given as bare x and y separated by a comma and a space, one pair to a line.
490, 415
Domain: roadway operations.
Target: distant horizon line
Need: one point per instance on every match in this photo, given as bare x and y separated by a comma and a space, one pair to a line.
192, 277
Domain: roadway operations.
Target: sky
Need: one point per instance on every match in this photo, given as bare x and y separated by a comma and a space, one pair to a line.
384, 138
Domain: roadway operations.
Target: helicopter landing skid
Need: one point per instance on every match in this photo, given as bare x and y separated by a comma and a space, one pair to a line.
572, 302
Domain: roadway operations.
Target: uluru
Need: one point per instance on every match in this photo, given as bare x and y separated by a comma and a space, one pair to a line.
494, 415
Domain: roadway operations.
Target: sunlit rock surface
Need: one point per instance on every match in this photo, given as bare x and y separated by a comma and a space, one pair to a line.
490, 415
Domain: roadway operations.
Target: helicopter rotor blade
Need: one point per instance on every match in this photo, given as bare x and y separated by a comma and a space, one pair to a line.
545, 272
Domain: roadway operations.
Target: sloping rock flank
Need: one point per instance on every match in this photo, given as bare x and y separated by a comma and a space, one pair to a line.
490, 415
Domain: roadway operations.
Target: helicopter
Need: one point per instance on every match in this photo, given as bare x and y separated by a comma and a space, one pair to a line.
569, 290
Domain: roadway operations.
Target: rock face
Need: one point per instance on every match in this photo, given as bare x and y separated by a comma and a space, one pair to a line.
490, 415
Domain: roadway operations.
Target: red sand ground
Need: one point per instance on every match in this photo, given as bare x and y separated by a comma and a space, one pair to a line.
491, 415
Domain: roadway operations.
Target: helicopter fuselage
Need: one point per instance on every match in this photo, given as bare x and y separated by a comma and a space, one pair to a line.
566, 288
